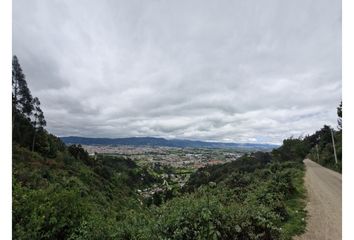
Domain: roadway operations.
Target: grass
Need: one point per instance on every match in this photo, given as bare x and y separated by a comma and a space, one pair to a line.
295, 206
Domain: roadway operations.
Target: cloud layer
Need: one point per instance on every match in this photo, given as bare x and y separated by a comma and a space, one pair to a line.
245, 71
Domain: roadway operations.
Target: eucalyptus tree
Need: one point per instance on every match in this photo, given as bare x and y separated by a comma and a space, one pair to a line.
339, 113
21, 95
38, 120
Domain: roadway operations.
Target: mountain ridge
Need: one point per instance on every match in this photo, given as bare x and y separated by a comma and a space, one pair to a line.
162, 142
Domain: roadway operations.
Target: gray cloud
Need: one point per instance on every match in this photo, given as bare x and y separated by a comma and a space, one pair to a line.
245, 71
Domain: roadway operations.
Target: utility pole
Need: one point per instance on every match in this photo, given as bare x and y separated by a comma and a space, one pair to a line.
318, 156
334, 147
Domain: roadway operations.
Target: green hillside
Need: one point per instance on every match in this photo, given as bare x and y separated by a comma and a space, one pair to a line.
60, 192
69, 198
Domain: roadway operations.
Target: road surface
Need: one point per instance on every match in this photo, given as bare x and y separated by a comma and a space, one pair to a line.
324, 190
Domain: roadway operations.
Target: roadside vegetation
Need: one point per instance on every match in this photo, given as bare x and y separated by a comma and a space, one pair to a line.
60, 192
318, 146
82, 198
322, 150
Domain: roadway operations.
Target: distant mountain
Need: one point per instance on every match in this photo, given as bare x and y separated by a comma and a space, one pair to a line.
161, 142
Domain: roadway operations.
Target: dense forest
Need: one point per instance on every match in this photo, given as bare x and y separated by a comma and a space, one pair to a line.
60, 192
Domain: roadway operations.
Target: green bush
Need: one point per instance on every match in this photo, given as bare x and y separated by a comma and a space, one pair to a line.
51, 213
67, 198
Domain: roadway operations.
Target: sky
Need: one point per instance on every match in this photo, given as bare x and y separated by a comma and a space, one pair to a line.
231, 71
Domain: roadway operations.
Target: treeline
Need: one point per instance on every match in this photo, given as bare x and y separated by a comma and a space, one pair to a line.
28, 120
324, 146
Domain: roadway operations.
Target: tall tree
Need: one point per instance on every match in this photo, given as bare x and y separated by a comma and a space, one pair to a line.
339, 113
21, 95
38, 119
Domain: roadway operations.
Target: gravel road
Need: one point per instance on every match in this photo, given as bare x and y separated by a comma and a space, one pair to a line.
324, 189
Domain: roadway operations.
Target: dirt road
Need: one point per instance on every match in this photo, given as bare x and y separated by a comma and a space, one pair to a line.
324, 189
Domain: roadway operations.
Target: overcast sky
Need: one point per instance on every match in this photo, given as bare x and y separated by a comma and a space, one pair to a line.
243, 71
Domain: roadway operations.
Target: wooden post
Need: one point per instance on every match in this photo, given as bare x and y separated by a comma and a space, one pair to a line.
334, 147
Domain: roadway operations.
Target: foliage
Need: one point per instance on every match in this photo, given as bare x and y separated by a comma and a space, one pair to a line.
339, 113
60, 192
226, 210
68, 198
49, 213
322, 147
294, 149
317, 146
28, 119
21, 95
79, 153
60, 198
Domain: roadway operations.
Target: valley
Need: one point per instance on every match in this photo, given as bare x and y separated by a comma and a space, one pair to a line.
192, 158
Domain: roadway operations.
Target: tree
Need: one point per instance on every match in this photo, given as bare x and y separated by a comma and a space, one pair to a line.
78, 152
38, 119
22, 106
339, 113
293, 149
21, 95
